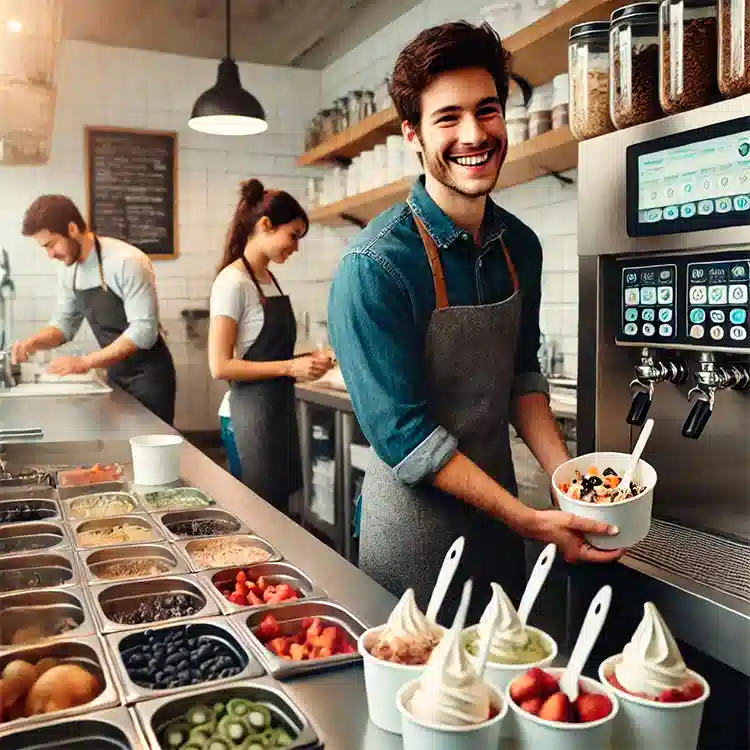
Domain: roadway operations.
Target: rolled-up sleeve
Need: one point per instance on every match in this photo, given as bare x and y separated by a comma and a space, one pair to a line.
68, 316
138, 291
372, 329
528, 373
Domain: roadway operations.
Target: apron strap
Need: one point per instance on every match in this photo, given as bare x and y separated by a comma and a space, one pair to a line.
438, 277
433, 258
249, 270
98, 251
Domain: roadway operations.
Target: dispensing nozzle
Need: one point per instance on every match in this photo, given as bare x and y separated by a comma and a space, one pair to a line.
648, 372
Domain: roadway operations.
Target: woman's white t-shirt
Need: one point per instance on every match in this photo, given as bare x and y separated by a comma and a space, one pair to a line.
235, 295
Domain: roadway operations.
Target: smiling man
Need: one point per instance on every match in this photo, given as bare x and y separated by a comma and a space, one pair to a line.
434, 318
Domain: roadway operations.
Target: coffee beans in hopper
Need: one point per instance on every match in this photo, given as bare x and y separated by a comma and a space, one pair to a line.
734, 54
643, 103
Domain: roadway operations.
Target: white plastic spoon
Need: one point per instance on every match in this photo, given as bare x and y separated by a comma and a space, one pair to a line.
445, 576
536, 581
484, 647
636, 455
592, 626
463, 607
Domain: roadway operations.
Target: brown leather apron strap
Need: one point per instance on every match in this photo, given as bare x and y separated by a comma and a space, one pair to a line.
511, 267
433, 257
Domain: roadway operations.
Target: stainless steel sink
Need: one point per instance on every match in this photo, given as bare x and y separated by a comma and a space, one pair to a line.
34, 381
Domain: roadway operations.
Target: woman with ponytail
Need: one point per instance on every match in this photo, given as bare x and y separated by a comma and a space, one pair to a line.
251, 344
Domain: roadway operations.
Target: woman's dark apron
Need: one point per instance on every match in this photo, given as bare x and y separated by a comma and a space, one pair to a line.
406, 531
263, 411
149, 374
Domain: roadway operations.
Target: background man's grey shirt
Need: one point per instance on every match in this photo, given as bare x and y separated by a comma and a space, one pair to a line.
129, 274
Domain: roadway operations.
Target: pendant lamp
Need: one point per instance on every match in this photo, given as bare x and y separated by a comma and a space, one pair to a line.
226, 108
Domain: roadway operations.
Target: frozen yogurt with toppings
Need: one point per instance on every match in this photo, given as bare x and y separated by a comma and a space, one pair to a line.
408, 636
512, 643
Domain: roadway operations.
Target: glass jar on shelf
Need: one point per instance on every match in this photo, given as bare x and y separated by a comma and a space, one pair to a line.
383, 95
355, 107
517, 125
540, 110
560, 100
734, 47
688, 45
588, 71
634, 68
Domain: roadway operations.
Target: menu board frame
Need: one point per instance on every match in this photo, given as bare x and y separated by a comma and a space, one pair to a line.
90, 134
680, 225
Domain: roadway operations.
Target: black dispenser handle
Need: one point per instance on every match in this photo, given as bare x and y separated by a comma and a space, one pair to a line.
639, 408
697, 419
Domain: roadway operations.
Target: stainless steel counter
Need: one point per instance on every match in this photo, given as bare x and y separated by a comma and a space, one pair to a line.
97, 429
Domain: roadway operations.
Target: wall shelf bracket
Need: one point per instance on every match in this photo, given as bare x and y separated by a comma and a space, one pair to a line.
353, 220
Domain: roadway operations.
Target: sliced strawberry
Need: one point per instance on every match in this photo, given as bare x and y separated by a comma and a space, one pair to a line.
548, 684
298, 652
527, 686
268, 628
693, 691
261, 583
254, 600
532, 705
556, 708
593, 706
241, 577
237, 598
280, 646
670, 696
268, 593
315, 628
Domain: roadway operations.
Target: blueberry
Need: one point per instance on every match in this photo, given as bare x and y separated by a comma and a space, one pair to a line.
174, 659
192, 642
174, 684
195, 674
184, 664
169, 669
184, 675
196, 681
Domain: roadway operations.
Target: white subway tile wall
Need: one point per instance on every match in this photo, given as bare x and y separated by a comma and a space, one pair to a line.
130, 88
546, 205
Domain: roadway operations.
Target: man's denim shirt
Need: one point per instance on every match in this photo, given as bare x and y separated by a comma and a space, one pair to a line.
380, 304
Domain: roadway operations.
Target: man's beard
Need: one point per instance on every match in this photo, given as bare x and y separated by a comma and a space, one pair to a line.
439, 167
73, 251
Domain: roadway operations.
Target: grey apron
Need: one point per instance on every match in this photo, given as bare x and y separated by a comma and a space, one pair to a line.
263, 411
149, 374
406, 531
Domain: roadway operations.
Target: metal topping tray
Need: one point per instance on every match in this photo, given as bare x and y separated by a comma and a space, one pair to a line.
41, 570
110, 729
28, 509
155, 715
175, 498
110, 599
215, 628
141, 520
274, 572
223, 522
87, 652
189, 546
73, 511
41, 611
97, 562
290, 617
22, 491
68, 493
19, 538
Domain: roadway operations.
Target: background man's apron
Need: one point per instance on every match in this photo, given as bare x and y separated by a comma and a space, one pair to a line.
406, 531
149, 374
263, 411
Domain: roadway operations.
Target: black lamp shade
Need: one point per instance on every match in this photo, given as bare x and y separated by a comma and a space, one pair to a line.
226, 108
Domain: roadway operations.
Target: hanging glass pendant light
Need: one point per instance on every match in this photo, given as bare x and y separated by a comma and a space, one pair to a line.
226, 108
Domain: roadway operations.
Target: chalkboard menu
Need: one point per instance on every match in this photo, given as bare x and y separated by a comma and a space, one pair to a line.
131, 187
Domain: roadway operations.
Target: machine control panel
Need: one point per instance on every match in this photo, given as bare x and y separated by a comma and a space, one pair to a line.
697, 301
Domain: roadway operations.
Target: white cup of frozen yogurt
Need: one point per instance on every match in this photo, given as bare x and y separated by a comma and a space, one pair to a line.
649, 668
532, 733
419, 734
384, 679
156, 459
631, 516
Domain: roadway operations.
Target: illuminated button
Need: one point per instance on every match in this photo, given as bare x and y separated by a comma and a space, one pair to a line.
738, 333
631, 329
739, 272
717, 333
706, 207
738, 317
717, 316
665, 294
665, 315
717, 295
697, 273
653, 215
698, 295
696, 332
632, 296
697, 315
738, 294
632, 278
671, 213
723, 205
665, 330
649, 314
648, 329
665, 275
687, 210
631, 315
741, 203
648, 295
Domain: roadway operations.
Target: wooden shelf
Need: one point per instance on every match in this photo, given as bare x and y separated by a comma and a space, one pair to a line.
360, 137
553, 151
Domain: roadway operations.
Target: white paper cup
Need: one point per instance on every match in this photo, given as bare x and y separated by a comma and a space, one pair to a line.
646, 725
532, 733
156, 459
632, 517
501, 675
383, 680
418, 735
